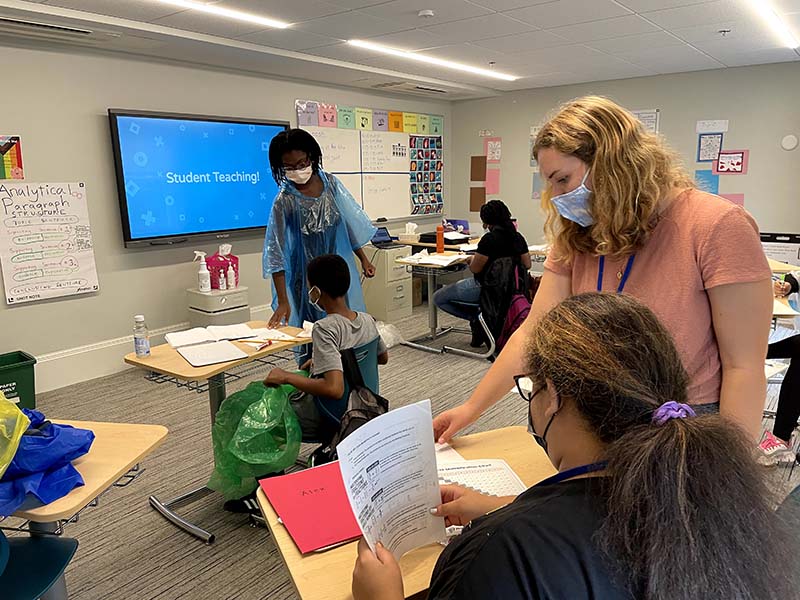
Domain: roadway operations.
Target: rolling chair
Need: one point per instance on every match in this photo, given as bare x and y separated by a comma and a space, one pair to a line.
31, 567
484, 327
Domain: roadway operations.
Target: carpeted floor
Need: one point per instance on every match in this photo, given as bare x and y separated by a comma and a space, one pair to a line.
128, 551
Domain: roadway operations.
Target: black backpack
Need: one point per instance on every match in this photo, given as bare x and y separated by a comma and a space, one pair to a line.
362, 405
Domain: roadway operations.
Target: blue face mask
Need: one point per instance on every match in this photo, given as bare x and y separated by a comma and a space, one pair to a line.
574, 205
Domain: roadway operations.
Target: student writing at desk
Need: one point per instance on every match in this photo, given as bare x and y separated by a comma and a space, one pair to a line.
651, 501
320, 404
501, 240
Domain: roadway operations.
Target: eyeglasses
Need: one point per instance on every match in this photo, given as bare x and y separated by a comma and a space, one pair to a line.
525, 387
298, 166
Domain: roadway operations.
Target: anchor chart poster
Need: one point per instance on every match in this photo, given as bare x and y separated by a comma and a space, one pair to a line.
45, 241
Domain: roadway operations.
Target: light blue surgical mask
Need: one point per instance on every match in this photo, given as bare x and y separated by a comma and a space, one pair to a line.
574, 205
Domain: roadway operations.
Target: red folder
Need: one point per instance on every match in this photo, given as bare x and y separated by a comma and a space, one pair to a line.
313, 506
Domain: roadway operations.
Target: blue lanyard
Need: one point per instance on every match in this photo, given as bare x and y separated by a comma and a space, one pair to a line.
574, 472
601, 267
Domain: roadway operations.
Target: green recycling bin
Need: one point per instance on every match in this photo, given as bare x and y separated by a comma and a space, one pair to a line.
17, 379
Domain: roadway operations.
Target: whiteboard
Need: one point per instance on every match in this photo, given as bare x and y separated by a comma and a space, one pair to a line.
340, 148
386, 195
384, 152
352, 181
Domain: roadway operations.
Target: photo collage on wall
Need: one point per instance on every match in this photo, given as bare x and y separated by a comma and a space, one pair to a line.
425, 171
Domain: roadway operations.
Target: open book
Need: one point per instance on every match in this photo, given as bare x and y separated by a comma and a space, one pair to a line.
212, 333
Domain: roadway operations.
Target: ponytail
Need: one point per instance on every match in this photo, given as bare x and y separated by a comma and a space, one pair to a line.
688, 517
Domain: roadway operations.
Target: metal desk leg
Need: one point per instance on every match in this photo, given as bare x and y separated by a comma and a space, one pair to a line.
216, 394
433, 317
58, 591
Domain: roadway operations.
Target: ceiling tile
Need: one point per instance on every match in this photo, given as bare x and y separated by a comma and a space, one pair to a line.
343, 51
405, 12
786, 6
477, 28
608, 28
568, 12
288, 39
124, 9
354, 4
190, 20
563, 58
351, 25
412, 39
641, 6
755, 57
631, 43
523, 42
502, 5
718, 11
467, 53
282, 10
674, 59
710, 32
739, 44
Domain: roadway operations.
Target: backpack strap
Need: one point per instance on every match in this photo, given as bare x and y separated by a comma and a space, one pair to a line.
352, 373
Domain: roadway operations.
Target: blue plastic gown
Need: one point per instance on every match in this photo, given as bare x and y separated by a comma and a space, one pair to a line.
42, 470
302, 228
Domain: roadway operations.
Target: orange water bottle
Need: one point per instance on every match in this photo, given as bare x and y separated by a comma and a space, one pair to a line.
439, 239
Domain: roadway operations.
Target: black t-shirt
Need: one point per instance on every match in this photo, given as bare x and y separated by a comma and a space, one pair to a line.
501, 242
538, 547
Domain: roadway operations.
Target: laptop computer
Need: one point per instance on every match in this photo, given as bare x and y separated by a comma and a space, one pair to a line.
383, 240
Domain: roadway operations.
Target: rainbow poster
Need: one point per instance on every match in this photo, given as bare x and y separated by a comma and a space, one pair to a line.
11, 157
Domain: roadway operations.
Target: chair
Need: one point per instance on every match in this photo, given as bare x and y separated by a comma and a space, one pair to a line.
484, 327
32, 566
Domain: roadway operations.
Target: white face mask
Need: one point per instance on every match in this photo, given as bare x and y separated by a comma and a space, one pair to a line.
300, 176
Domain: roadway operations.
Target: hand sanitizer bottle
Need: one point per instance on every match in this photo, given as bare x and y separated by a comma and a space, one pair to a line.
203, 276
231, 278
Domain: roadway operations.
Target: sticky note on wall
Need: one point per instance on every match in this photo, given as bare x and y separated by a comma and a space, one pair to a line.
395, 121
410, 122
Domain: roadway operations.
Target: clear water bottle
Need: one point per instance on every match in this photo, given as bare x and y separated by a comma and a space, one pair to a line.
141, 337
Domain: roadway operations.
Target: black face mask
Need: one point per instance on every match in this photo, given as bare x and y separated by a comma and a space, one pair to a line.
540, 439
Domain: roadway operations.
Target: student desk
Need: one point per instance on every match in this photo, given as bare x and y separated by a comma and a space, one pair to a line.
781, 309
328, 575
113, 457
781, 267
432, 272
165, 365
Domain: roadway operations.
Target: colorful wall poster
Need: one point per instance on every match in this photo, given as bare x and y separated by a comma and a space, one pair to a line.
328, 116
426, 174
307, 112
709, 146
395, 121
707, 181
410, 122
437, 125
364, 119
423, 124
45, 241
380, 120
731, 162
493, 149
650, 118
11, 157
346, 116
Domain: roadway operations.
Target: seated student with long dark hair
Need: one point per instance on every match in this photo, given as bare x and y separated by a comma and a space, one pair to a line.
501, 240
650, 501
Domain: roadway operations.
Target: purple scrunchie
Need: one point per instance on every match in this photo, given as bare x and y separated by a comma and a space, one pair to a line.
672, 410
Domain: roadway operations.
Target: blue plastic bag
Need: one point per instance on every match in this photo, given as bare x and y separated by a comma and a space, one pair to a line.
42, 466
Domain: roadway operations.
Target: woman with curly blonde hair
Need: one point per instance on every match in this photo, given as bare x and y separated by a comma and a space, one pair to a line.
623, 216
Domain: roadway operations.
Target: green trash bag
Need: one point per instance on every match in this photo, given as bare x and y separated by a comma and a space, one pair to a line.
256, 432
13, 423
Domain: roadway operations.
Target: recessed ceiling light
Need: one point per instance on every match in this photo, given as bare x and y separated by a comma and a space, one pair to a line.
227, 13
448, 64
765, 10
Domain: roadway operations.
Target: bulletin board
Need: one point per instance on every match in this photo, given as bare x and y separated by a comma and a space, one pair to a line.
390, 161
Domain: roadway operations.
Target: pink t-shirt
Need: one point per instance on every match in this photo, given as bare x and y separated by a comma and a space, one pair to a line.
701, 242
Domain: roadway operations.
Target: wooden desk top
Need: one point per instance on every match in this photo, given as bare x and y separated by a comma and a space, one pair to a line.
165, 359
403, 260
781, 308
328, 575
781, 267
116, 448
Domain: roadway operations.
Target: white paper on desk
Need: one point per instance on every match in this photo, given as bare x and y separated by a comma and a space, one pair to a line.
262, 333
231, 332
212, 333
389, 470
201, 355
445, 453
538, 248
454, 235
468, 247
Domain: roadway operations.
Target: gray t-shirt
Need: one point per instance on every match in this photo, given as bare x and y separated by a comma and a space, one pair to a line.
335, 333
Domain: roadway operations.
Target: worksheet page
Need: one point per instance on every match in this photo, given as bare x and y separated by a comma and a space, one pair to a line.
389, 470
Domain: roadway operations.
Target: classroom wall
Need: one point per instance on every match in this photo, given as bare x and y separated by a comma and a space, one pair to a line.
58, 103
760, 102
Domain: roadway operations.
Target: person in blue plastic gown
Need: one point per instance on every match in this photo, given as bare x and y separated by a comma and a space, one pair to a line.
313, 214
